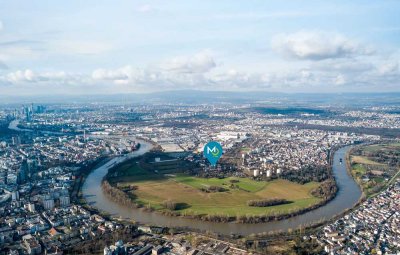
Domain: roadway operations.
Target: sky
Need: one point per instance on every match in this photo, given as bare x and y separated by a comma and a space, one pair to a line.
112, 47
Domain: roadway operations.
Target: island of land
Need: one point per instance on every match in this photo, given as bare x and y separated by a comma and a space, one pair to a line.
241, 199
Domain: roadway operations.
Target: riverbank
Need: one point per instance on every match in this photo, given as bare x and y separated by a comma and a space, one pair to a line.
362, 166
76, 194
227, 203
349, 171
347, 195
132, 184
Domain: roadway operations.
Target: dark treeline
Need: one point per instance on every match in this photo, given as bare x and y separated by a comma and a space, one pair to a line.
212, 189
326, 190
288, 110
4, 130
309, 173
267, 202
387, 155
170, 205
119, 196
84, 171
251, 219
277, 216
384, 132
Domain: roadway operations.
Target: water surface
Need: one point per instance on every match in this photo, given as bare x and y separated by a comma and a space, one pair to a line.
348, 194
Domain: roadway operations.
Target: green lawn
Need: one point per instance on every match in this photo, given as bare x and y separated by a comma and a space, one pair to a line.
361, 163
377, 147
359, 170
365, 160
153, 189
245, 184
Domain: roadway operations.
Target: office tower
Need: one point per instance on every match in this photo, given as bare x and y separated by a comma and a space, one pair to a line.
22, 174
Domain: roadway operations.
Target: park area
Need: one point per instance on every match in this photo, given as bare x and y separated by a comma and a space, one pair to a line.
213, 196
375, 166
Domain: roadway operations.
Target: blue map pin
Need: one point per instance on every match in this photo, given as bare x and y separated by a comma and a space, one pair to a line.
213, 151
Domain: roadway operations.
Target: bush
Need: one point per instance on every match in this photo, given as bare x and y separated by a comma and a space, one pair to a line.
212, 189
326, 190
171, 205
267, 202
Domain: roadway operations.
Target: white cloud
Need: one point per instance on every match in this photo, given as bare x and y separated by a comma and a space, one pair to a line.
389, 68
29, 76
199, 71
119, 74
233, 79
340, 79
1, 25
133, 79
124, 75
200, 62
129, 75
20, 76
177, 72
317, 45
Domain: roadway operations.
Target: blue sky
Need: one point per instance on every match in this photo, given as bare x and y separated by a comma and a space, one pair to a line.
83, 47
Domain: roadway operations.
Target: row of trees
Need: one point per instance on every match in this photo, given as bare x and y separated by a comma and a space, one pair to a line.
267, 202
212, 189
309, 173
387, 154
325, 190
118, 195
171, 205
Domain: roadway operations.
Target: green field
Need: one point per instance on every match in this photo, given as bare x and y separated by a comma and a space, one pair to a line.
153, 189
365, 160
358, 170
364, 163
382, 147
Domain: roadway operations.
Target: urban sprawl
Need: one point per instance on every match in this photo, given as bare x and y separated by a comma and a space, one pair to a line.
45, 149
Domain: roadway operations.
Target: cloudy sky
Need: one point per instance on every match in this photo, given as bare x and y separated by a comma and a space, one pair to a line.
98, 47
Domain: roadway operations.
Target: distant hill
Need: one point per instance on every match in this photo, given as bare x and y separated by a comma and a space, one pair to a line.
213, 97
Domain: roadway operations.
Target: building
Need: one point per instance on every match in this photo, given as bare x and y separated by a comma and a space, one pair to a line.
256, 172
16, 140
64, 201
48, 204
22, 174
118, 249
15, 195
157, 250
31, 207
147, 250
31, 245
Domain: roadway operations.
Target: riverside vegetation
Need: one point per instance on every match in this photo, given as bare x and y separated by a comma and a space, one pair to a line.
226, 199
374, 166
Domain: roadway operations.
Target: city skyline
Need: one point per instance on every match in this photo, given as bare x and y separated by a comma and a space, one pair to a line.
150, 46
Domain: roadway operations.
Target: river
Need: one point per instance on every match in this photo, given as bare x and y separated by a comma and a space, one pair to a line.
349, 193
14, 126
